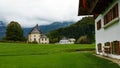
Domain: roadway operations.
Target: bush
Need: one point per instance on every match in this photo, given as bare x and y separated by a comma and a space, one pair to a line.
34, 42
83, 40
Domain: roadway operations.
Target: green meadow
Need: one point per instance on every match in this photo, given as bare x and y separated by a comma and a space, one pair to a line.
18, 55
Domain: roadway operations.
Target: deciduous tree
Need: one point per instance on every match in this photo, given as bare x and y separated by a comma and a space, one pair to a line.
14, 32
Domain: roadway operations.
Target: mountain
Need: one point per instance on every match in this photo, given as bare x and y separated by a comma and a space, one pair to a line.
2, 29
55, 25
47, 28
84, 27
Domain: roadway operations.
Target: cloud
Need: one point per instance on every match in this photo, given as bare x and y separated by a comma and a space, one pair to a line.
31, 12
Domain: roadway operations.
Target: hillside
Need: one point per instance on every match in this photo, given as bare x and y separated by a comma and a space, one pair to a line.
84, 27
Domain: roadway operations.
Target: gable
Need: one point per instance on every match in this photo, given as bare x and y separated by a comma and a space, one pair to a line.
35, 30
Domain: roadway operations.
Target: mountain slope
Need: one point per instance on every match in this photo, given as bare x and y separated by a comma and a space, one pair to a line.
56, 25
84, 27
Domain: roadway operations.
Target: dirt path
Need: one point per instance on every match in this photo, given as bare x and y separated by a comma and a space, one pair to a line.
111, 59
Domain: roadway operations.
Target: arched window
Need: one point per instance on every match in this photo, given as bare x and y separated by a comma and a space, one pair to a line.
34, 39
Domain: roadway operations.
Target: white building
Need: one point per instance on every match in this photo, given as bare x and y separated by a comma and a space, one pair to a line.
72, 40
67, 41
107, 24
36, 36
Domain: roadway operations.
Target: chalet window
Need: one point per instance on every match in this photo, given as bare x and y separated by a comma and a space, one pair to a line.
112, 14
115, 11
99, 47
116, 47
98, 25
107, 48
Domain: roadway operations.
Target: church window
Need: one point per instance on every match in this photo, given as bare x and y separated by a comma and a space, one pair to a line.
34, 39
42, 39
45, 39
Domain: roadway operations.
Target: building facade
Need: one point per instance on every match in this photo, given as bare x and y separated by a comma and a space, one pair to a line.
107, 25
36, 36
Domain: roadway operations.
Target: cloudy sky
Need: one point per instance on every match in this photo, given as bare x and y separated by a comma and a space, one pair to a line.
31, 12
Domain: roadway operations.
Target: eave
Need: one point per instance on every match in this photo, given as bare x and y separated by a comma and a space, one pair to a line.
93, 7
101, 6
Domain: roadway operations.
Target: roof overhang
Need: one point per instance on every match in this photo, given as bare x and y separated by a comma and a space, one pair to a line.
88, 7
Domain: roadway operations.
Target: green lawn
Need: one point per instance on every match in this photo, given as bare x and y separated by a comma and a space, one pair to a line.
14, 55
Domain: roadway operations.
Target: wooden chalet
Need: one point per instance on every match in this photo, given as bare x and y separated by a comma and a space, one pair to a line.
107, 24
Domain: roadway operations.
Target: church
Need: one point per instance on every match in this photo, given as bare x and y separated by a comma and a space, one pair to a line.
37, 36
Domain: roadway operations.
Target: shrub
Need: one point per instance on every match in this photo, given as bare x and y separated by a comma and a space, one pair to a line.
83, 40
34, 42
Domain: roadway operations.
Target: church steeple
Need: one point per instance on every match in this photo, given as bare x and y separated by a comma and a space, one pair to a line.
35, 30
36, 25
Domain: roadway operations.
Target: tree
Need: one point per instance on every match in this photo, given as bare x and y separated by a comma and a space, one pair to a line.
14, 32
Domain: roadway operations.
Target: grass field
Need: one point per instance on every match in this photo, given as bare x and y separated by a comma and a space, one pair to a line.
14, 55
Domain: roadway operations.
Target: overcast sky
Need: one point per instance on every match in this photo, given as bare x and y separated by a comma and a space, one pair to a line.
31, 12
